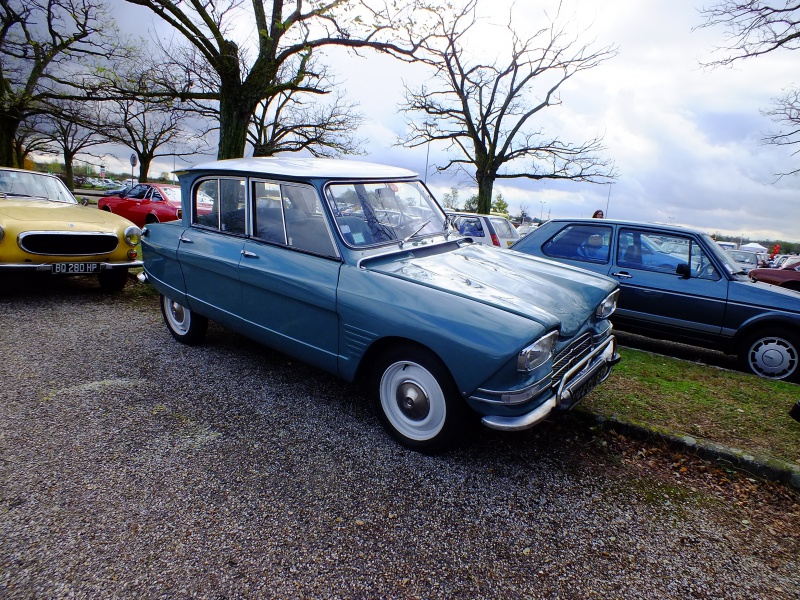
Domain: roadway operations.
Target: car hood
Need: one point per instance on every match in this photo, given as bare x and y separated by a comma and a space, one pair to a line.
53, 216
764, 295
547, 292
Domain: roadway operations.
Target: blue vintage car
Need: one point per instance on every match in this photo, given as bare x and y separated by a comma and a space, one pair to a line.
353, 267
678, 284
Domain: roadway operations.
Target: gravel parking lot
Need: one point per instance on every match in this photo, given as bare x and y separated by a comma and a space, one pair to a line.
134, 467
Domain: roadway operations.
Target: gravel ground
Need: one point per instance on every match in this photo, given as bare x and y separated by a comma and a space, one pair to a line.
134, 467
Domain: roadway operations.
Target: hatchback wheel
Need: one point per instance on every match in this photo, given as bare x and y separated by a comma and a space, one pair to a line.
184, 325
772, 354
416, 400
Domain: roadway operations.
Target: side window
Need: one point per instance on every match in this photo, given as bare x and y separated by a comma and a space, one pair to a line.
663, 253
588, 243
206, 206
220, 203
291, 215
268, 212
139, 192
231, 204
470, 226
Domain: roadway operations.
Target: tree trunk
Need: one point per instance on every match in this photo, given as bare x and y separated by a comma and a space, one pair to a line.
145, 160
69, 171
233, 122
485, 186
8, 129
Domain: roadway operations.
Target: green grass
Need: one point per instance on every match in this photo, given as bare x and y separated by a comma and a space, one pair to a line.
684, 398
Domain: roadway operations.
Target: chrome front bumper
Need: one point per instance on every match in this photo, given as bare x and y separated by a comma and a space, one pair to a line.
41, 267
593, 369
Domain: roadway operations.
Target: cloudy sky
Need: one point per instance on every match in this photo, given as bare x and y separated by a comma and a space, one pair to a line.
685, 140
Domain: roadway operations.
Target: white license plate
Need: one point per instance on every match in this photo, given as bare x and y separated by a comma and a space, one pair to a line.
75, 268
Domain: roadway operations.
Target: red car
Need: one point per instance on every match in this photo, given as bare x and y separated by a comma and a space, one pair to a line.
788, 276
145, 203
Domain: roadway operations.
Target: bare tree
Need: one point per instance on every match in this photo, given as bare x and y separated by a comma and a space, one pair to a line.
286, 33
29, 139
486, 111
286, 123
149, 128
755, 28
785, 112
41, 44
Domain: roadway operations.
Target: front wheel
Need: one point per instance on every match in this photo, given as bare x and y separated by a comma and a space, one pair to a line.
416, 400
772, 354
184, 325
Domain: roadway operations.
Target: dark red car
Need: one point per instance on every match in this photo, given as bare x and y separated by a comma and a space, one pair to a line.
145, 203
788, 276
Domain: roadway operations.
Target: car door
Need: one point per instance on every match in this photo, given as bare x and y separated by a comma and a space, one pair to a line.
656, 294
210, 250
289, 273
131, 204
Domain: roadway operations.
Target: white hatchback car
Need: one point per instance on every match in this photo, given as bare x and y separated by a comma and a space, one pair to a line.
492, 230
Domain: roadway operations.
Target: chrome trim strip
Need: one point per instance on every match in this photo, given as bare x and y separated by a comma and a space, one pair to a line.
21, 238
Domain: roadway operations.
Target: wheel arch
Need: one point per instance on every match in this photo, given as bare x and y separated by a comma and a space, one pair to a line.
370, 358
765, 321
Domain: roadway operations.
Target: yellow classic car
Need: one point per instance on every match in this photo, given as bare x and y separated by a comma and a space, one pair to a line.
43, 228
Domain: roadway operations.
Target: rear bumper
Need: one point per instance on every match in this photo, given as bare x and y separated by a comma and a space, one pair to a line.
577, 382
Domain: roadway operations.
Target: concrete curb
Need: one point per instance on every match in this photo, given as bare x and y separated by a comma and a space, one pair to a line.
766, 467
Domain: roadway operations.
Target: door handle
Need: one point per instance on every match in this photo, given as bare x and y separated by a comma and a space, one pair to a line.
248, 254
622, 275
185, 240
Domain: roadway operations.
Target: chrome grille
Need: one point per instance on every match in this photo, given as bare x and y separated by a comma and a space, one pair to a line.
67, 243
571, 355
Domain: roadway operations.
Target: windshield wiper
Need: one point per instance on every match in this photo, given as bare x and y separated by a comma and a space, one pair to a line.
415, 232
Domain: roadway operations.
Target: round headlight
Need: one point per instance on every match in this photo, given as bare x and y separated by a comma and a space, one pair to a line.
132, 235
2, 233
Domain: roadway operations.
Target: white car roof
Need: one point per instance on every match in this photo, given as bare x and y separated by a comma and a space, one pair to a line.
328, 168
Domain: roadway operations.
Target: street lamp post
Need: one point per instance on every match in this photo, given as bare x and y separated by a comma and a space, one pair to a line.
541, 213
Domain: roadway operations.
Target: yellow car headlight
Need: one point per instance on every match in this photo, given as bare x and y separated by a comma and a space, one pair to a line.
132, 235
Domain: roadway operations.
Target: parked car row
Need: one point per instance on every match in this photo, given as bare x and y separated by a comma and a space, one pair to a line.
354, 268
678, 284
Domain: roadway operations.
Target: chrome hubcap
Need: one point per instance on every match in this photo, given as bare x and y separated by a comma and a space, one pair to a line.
774, 358
413, 401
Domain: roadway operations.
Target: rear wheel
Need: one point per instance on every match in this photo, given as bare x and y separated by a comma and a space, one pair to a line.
105, 208
772, 354
113, 280
416, 399
184, 325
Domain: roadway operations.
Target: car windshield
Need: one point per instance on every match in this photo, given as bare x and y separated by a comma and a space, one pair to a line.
723, 256
173, 194
372, 213
34, 186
